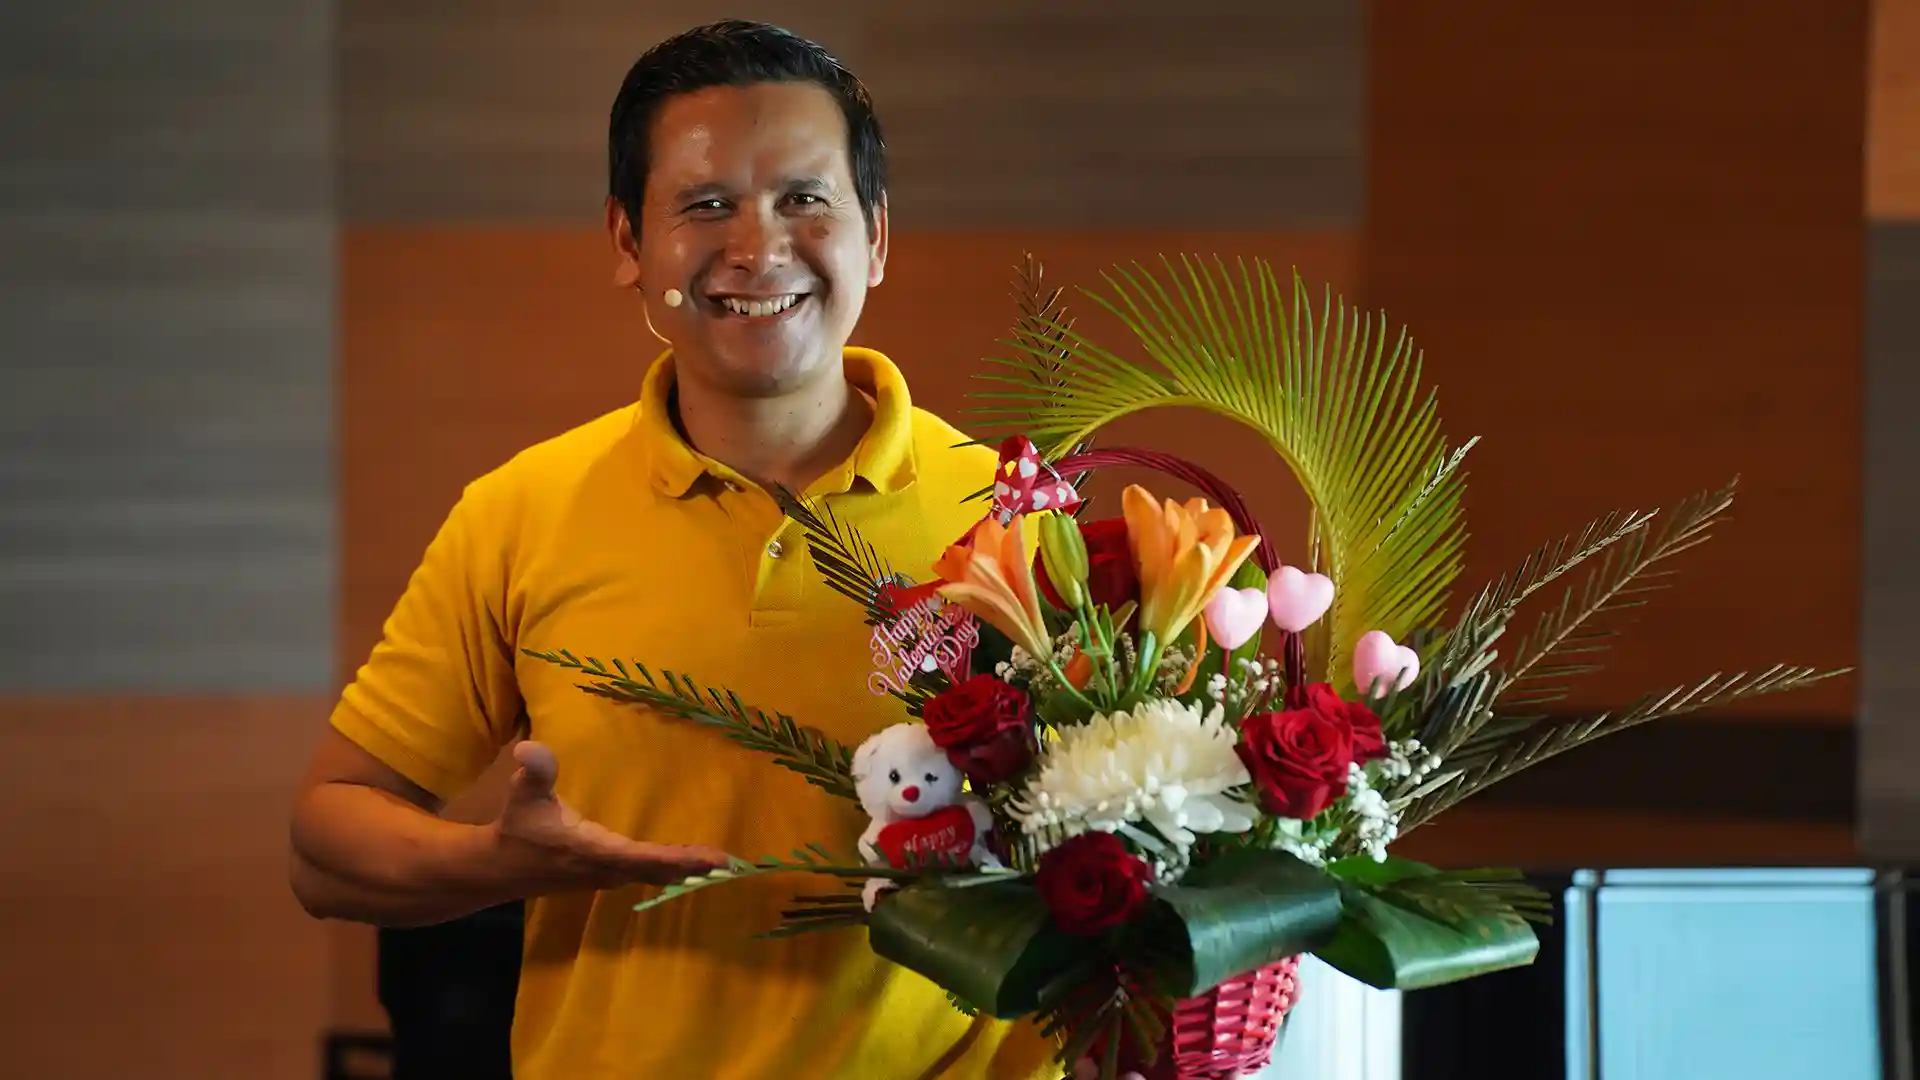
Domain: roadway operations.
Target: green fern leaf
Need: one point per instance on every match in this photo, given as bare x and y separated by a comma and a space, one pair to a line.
847, 562
1537, 743
1626, 575
822, 761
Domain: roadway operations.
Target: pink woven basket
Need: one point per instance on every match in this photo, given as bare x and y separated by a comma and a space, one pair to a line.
1229, 1031
1224, 1034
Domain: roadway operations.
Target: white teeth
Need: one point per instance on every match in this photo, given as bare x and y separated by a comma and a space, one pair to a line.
761, 308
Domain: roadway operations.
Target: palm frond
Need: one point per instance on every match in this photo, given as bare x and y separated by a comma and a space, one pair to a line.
845, 559
1627, 573
1042, 323
824, 762
1339, 402
1457, 897
1539, 742
814, 913
812, 859
1456, 694
1549, 562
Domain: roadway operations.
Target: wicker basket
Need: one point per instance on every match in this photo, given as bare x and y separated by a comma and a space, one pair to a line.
1224, 1034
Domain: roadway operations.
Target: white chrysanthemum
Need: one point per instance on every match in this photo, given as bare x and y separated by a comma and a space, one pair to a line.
1164, 764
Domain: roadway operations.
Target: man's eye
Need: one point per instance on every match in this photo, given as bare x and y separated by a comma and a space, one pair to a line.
805, 199
707, 205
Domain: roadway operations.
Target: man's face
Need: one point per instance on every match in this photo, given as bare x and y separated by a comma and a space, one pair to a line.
750, 212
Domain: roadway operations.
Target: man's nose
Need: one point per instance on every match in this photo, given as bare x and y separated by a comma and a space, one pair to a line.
758, 239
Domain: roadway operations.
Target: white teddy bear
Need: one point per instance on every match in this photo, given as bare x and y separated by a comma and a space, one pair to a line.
912, 793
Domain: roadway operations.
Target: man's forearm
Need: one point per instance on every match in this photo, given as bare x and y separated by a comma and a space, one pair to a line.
365, 855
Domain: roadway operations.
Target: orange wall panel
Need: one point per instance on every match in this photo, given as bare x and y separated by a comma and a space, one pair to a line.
145, 916
1631, 243
1893, 113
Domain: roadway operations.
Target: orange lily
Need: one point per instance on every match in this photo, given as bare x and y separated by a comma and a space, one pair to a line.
1185, 552
1079, 670
988, 574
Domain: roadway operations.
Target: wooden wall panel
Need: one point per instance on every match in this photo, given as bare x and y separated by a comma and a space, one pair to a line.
1224, 114
166, 300
497, 112
1890, 681
144, 911
1547, 841
1893, 112
1081, 114
1630, 242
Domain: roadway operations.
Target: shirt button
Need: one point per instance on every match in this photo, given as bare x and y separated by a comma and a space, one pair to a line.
775, 549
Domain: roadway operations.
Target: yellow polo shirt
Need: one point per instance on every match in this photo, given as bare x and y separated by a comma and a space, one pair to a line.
617, 539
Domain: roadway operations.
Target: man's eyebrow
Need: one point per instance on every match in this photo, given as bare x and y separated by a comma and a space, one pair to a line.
696, 192
712, 189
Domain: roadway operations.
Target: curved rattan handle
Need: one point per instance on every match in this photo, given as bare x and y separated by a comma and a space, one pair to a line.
1209, 485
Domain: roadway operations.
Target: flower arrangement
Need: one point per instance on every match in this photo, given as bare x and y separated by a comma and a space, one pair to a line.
1143, 764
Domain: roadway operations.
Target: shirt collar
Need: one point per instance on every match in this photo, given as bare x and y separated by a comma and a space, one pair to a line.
884, 457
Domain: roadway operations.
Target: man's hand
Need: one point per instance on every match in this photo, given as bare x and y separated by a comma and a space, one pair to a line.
554, 847
368, 844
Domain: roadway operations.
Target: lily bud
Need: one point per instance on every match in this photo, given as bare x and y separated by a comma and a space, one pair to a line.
1063, 553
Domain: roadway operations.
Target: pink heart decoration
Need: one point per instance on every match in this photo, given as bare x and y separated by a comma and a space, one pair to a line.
1235, 615
1296, 600
1376, 657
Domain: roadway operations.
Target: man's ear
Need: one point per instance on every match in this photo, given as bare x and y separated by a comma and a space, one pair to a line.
877, 244
626, 250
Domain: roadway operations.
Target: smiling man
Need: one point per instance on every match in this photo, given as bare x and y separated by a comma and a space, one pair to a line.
748, 218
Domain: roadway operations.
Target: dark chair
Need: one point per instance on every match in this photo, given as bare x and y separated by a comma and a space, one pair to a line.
448, 992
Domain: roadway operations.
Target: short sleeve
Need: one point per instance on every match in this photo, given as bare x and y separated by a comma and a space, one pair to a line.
437, 698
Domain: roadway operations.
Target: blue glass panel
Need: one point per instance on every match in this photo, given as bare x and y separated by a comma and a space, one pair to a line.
1701, 974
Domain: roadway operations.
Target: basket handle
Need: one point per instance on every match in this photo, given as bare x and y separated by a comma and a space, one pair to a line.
1209, 485
1293, 649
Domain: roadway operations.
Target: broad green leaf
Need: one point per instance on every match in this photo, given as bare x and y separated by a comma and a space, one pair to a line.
1243, 910
1454, 897
1393, 942
1392, 948
992, 946
1365, 872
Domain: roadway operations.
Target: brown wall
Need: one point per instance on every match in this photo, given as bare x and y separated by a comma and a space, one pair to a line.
1631, 242
144, 914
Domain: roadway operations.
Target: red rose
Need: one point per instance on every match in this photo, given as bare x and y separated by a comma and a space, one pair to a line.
985, 726
1298, 759
1112, 580
1369, 742
1092, 883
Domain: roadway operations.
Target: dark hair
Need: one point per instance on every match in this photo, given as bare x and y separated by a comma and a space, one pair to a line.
736, 53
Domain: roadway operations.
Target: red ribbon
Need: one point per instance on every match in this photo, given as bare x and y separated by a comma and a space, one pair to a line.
1024, 483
